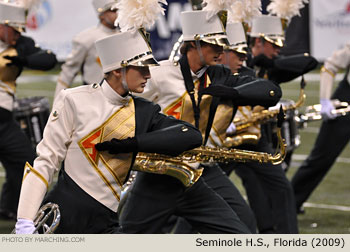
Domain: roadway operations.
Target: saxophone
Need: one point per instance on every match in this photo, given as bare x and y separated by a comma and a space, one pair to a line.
180, 168
242, 124
313, 112
241, 136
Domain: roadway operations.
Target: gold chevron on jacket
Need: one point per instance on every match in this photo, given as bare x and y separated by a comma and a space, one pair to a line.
120, 125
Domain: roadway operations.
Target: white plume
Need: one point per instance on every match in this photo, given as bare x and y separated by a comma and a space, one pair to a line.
134, 14
244, 11
236, 13
218, 5
252, 9
215, 6
286, 8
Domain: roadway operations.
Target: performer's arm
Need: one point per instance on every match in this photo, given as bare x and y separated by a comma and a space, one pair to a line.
51, 152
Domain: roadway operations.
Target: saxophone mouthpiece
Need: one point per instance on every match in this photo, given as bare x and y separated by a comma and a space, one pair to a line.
302, 82
280, 117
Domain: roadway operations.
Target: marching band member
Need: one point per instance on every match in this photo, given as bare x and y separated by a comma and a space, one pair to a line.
83, 56
16, 51
267, 39
266, 42
334, 133
86, 122
192, 89
269, 191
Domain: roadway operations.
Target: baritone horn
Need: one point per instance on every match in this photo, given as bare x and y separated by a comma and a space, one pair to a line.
44, 213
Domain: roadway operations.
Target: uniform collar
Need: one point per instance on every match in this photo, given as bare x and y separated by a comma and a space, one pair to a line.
199, 73
112, 96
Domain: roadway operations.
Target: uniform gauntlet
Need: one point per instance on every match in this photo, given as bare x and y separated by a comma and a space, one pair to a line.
16, 61
116, 146
220, 91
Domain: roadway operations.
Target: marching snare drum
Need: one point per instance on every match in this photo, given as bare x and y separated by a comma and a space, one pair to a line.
32, 114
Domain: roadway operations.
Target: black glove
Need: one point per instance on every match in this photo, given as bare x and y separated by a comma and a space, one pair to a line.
15, 61
220, 91
116, 146
262, 61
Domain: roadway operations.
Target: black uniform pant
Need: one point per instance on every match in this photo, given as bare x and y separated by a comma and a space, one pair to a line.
15, 151
80, 213
332, 138
154, 198
217, 179
269, 192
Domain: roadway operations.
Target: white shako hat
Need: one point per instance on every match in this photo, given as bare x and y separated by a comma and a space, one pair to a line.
13, 15
130, 48
196, 26
101, 6
236, 37
268, 27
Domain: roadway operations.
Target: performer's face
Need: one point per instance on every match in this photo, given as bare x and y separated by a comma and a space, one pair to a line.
108, 17
271, 50
9, 35
136, 77
211, 53
232, 59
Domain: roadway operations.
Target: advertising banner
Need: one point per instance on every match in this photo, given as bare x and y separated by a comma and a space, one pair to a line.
55, 23
329, 26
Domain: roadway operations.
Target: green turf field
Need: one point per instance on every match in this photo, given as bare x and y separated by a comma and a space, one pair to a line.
333, 192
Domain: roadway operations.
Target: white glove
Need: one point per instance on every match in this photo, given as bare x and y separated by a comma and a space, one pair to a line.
326, 109
231, 129
25, 226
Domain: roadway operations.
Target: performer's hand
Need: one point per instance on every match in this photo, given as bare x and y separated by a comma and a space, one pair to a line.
326, 109
116, 146
25, 226
262, 61
220, 91
15, 61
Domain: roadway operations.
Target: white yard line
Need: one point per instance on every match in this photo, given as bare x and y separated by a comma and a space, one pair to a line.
326, 206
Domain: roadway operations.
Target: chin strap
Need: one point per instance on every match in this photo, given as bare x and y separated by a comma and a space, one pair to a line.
227, 59
199, 50
124, 83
